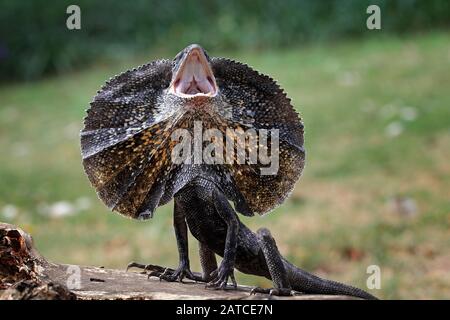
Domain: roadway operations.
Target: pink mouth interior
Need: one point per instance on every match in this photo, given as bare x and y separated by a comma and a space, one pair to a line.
195, 76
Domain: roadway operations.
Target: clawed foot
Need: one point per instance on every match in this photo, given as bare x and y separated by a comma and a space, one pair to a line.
273, 291
220, 277
183, 271
146, 267
167, 274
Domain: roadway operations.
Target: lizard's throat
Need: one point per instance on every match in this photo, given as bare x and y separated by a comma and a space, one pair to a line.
194, 77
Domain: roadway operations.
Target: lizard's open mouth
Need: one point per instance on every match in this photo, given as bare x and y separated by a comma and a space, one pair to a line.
194, 76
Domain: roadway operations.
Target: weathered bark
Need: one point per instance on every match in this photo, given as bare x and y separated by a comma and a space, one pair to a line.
25, 274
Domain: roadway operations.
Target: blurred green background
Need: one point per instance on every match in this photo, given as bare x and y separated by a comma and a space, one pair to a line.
376, 107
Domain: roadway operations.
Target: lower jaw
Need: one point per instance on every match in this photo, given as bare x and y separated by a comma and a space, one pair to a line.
199, 95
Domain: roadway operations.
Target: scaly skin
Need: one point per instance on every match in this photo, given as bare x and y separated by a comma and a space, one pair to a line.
127, 146
126, 143
203, 207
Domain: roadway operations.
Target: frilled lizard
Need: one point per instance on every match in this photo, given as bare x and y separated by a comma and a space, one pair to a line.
130, 139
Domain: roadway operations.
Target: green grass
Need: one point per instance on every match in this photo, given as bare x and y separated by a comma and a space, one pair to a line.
340, 218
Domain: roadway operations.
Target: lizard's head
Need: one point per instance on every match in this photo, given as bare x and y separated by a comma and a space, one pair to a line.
192, 75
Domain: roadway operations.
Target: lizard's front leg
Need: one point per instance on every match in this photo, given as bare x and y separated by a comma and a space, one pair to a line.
180, 227
226, 269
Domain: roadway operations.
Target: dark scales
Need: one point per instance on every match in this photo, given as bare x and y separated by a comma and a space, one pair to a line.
126, 149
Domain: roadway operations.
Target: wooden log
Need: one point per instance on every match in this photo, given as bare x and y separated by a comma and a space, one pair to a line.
26, 274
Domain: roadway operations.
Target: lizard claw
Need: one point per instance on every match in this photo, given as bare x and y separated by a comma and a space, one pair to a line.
146, 267
167, 276
135, 265
256, 290
183, 271
220, 278
155, 271
274, 291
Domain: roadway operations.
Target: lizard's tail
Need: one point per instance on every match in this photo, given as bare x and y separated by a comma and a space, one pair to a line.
306, 282
284, 274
